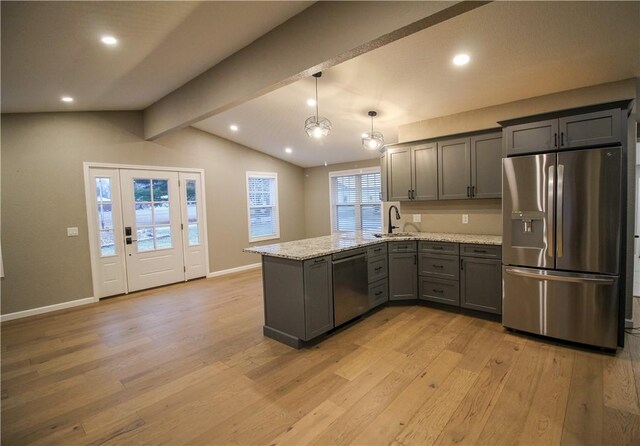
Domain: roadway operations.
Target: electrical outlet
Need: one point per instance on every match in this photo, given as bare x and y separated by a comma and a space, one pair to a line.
465, 219
417, 218
72, 232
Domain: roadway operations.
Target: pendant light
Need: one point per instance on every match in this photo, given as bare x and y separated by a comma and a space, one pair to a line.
372, 140
317, 126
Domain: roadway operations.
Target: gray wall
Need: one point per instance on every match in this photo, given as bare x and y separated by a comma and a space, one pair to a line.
43, 194
317, 195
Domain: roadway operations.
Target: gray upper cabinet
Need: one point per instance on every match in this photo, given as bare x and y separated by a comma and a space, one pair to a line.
486, 166
590, 129
532, 137
318, 296
399, 174
481, 284
384, 193
425, 171
454, 171
412, 173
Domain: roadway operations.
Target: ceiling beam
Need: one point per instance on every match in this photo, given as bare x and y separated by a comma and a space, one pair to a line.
321, 36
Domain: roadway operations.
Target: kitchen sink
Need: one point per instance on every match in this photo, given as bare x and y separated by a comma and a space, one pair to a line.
395, 234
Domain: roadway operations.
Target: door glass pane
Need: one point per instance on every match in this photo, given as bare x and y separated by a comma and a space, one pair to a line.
192, 212
161, 213
144, 216
160, 190
142, 189
105, 220
107, 244
194, 236
163, 237
346, 218
191, 190
262, 223
145, 239
103, 189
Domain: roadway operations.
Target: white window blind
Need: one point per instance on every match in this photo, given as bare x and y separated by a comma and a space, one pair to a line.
262, 200
355, 201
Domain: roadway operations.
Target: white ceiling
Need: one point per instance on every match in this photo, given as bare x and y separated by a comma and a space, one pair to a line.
518, 50
50, 49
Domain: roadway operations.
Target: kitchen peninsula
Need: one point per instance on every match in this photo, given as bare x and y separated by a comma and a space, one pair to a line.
314, 285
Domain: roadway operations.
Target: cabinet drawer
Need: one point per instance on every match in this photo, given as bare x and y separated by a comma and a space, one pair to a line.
377, 250
402, 246
437, 265
377, 268
439, 247
486, 251
378, 293
439, 290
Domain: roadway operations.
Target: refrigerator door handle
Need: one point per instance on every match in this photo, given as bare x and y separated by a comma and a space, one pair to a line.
560, 212
561, 277
550, 192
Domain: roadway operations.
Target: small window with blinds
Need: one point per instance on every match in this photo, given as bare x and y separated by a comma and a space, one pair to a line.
355, 200
262, 201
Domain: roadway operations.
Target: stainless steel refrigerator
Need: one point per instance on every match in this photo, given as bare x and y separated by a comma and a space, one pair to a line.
562, 226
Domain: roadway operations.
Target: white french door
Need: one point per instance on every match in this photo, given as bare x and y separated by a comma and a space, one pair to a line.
152, 219
148, 228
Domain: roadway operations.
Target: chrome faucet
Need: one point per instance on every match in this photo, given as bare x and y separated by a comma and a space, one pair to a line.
391, 227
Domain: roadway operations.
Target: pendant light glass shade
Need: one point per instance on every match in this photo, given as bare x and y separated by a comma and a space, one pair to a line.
317, 126
372, 140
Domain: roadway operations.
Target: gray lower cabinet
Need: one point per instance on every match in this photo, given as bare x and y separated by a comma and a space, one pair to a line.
454, 182
318, 296
439, 290
403, 271
298, 298
481, 284
377, 264
378, 293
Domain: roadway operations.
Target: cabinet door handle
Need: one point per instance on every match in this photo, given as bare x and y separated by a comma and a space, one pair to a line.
555, 140
480, 251
438, 291
437, 247
473, 191
468, 193
379, 293
437, 266
461, 264
415, 259
562, 138
378, 268
409, 194
320, 260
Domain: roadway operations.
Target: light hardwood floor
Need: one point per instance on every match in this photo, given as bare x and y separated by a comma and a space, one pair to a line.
187, 364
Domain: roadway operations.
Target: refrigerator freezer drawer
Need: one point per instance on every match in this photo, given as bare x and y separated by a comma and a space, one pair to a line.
574, 307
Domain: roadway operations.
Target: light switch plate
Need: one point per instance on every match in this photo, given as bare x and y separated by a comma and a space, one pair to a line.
465, 219
417, 218
72, 232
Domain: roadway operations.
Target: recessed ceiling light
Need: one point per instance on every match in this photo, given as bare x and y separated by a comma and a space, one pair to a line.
288, 150
233, 128
461, 59
66, 99
109, 40
311, 102
364, 135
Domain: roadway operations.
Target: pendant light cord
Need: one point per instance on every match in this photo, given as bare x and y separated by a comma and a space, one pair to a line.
317, 104
371, 135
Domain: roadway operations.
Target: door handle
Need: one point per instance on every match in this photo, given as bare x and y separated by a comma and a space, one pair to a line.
555, 140
560, 212
473, 191
468, 192
127, 231
409, 194
550, 210
561, 138
129, 240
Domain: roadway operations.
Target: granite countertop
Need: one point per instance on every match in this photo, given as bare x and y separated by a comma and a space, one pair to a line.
330, 244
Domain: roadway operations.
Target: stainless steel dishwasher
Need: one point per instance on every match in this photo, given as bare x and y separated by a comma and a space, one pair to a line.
350, 285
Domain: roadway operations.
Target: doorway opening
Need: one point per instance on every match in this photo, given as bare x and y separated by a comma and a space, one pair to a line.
147, 226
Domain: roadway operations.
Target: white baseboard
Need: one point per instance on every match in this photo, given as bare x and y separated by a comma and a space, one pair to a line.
47, 309
224, 272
